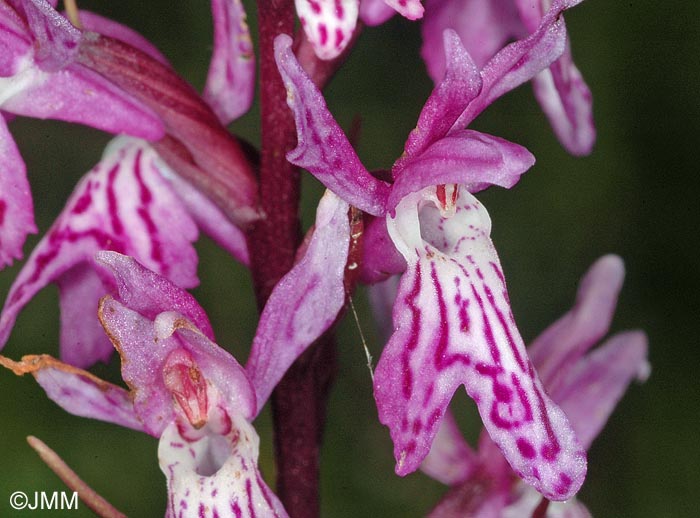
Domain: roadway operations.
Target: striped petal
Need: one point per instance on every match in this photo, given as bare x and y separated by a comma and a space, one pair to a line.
322, 147
453, 326
216, 474
231, 79
328, 24
123, 204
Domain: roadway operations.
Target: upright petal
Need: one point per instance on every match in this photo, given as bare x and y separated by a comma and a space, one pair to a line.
567, 102
322, 148
305, 302
598, 381
521, 61
563, 343
328, 24
16, 208
123, 204
230, 82
216, 475
459, 86
453, 326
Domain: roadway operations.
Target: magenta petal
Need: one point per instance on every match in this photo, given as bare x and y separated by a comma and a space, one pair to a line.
484, 26
15, 42
464, 157
124, 203
459, 86
230, 82
55, 39
83, 341
381, 297
322, 148
150, 294
216, 475
328, 24
93, 22
598, 381
454, 327
566, 100
62, 96
521, 61
16, 208
559, 347
451, 460
380, 258
305, 302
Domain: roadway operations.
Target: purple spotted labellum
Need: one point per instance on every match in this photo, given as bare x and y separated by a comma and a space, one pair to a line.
131, 202
586, 384
452, 320
40, 76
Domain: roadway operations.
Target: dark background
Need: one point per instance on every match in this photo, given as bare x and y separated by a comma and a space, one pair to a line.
635, 196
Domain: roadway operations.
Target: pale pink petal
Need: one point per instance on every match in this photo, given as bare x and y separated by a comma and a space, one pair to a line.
451, 460
77, 391
567, 102
411, 9
521, 61
322, 147
328, 24
375, 12
230, 82
216, 475
305, 302
16, 208
559, 347
83, 341
467, 157
484, 26
454, 327
458, 86
209, 217
15, 43
597, 382
123, 204
381, 299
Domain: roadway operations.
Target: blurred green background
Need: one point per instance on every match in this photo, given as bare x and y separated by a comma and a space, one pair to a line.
636, 195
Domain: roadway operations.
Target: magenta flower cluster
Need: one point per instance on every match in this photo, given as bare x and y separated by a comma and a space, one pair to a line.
121, 251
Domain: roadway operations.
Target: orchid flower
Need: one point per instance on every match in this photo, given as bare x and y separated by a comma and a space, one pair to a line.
586, 384
131, 202
183, 389
484, 27
40, 76
452, 320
